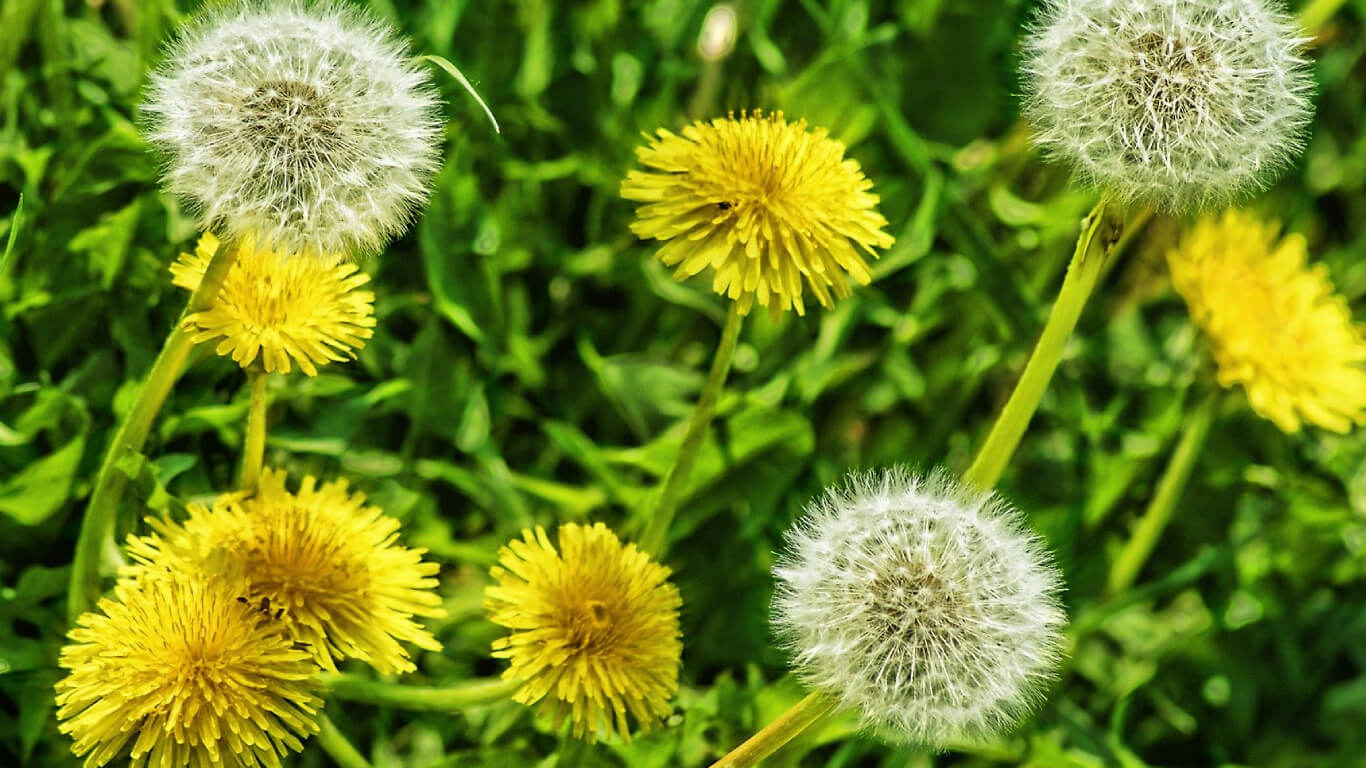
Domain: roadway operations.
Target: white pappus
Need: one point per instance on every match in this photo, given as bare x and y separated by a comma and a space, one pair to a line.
1183, 104
303, 125
928, 609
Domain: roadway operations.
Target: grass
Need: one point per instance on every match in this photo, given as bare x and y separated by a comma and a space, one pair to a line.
533, 364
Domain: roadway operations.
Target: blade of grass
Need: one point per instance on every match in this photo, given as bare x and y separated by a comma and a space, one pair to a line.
459, 76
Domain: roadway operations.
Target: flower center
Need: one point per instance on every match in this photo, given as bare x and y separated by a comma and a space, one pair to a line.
301, 561
290, 119
590, 626
913, 605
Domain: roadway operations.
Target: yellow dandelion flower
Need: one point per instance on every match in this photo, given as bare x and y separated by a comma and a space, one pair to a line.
1275, 322
280, 307
765, 203
331, 567
594, 629
185, 672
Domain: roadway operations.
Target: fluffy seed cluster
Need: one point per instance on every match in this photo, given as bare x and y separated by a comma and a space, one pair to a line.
185, 673
925, 607
1179, 103
301, 123
595, 631
765, 203
280, 308
327, 565
1276, 325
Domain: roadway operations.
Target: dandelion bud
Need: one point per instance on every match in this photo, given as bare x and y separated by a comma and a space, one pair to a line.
301, 123
923, 606
1179, 103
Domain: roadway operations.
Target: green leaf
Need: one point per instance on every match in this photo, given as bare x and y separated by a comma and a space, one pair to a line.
41, 488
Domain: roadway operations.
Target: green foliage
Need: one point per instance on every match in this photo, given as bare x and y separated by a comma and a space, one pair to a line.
533, 364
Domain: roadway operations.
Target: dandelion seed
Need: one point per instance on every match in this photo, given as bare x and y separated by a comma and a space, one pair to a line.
765, 203
178, 672
1180, 103
594, 629
333, 564
925, 607
280, 308
301, 124
1276, 325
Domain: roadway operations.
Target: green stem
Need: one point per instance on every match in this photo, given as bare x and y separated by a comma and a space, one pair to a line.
1100, 231
1316, 13
655, 540
572, 751
97, 527
798, 718
254, 444
447, 698
1159, 512
335, 744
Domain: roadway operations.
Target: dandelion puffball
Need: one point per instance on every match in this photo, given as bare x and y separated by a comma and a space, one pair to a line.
301, 123
925, 607
1178, 103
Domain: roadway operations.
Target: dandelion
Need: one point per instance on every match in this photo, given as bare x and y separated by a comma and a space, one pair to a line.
923, 606
302, 124
594, 628
321, 560
1180, 103
1276, 325
280, 308
765, 203
185, 672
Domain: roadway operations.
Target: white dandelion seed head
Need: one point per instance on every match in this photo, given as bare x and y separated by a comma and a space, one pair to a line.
928, 609
303, 124
1184, 104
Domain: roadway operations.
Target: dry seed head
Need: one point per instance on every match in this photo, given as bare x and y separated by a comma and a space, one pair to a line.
1184, 104
926, 608
301, 122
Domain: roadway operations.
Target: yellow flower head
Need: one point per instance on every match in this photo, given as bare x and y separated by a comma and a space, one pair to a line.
594, 628
330, 566
280, 307
1276, 325
763, 202
185, 672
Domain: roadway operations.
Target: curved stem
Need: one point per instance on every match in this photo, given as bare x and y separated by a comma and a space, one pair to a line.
1159, 512
335, 744
254, 444
655, 540
97, 527
572, 751
446, 698
798, 718
1100, 231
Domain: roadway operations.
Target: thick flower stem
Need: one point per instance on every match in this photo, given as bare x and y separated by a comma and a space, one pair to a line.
254, 445
1100, 231
335, 744
655, 540
798, 718
446, 698
97, 527
1159, 512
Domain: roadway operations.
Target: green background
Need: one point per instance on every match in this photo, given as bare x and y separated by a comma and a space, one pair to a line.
533, 364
